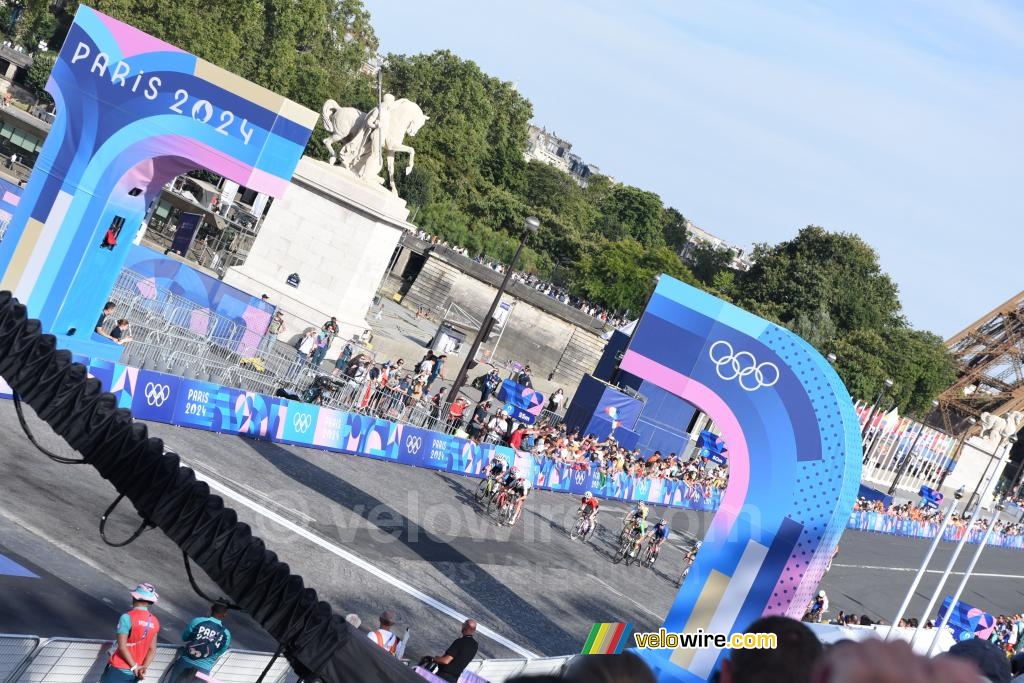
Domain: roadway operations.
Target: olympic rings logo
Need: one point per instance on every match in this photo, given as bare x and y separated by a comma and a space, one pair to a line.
742, 366
413, 444
302, 422
157, 394
581, 477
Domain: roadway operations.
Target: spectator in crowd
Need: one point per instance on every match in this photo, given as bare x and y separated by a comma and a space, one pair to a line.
555, 400
491, 382
137, 632
791, 662
478, 422
436, 371
384, 636
343, 359
121, 333
303, 352
205, 640
274, 329
988, 657
875, 661
456, 413
103, 322
459, 654
524, 378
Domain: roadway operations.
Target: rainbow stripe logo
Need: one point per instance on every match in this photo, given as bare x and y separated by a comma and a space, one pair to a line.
607, 639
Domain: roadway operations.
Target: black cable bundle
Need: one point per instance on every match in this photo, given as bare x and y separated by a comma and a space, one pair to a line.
318, 643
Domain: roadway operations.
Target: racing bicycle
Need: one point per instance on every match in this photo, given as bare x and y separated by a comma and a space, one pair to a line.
584, 527
650, 554
627, 549
503, 505
487, 488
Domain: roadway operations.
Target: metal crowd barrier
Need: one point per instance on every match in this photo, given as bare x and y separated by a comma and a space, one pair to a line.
30, 659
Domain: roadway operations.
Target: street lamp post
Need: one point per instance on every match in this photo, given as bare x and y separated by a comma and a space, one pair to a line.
886, 386
531, 225
910, 454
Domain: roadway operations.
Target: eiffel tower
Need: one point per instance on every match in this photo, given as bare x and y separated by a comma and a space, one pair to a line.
989, 355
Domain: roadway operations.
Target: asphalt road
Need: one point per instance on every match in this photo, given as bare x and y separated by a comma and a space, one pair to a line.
370, 535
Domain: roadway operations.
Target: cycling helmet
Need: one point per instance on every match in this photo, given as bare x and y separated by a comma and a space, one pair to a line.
662, 521
698, 544
513, 470
588, 495
821, 594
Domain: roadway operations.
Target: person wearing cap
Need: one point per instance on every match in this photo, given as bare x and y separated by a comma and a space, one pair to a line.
137, 630
384, 636
988, 657
205, 640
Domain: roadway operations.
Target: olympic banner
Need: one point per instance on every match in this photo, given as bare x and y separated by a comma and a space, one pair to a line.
157, 397
862, 520
966, 622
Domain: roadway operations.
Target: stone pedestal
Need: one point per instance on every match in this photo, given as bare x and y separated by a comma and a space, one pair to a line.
338, 234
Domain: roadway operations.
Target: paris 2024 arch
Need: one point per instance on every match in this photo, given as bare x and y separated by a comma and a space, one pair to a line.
132, 113
794, 463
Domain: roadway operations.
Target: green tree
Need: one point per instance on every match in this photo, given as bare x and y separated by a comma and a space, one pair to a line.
38, 73
628, 211
35, 23
620, 275
816, 328
817, 266
708, 260
673, 229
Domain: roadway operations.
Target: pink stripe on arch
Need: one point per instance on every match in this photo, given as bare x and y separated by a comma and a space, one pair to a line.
707, 400
131, 41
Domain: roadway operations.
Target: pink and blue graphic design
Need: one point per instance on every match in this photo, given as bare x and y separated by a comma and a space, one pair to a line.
133, 112
794, 462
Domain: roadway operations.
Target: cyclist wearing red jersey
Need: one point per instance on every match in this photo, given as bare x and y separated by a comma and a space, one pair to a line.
588, 509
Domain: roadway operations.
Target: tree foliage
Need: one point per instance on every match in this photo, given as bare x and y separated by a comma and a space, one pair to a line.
39, 73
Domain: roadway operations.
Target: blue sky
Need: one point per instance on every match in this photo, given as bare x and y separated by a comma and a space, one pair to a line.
899, 121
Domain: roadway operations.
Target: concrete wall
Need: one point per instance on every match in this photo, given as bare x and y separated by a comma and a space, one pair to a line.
548, 335
338, 234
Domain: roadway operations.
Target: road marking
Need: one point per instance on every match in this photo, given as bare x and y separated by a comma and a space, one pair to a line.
928, 571
628, 598
360, 563
256, 492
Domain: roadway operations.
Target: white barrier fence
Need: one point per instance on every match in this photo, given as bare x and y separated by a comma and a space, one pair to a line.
29, 659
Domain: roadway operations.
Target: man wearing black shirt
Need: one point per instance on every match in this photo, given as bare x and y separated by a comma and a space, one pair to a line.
101, 324
459, 654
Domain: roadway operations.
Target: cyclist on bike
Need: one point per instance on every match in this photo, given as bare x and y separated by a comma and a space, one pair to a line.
659, 534
521, 488
510, 478
637, 514
588, 509
639, 532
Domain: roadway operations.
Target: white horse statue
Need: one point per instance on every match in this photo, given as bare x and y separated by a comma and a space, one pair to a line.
367, 139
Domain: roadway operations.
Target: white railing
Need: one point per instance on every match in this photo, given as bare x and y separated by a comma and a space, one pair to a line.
29, 659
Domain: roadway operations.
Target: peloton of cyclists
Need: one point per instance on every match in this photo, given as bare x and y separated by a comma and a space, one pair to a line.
588, 509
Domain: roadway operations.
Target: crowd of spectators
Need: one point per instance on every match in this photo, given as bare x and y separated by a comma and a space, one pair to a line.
549, 289
917, 513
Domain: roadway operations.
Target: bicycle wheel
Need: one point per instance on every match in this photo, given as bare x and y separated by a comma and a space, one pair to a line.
652, 557
494, 503
481, 490
620, 553
576, 530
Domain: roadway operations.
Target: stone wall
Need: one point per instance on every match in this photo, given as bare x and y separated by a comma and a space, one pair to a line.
549, 336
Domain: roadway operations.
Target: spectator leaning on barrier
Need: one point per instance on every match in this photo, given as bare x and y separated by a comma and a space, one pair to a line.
137, 631
459, 654
205, 640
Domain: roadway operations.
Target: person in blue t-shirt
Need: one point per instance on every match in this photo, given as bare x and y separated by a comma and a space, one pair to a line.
205, 640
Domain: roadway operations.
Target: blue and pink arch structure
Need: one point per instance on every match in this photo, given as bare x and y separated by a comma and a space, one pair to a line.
132, 113
794, 462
